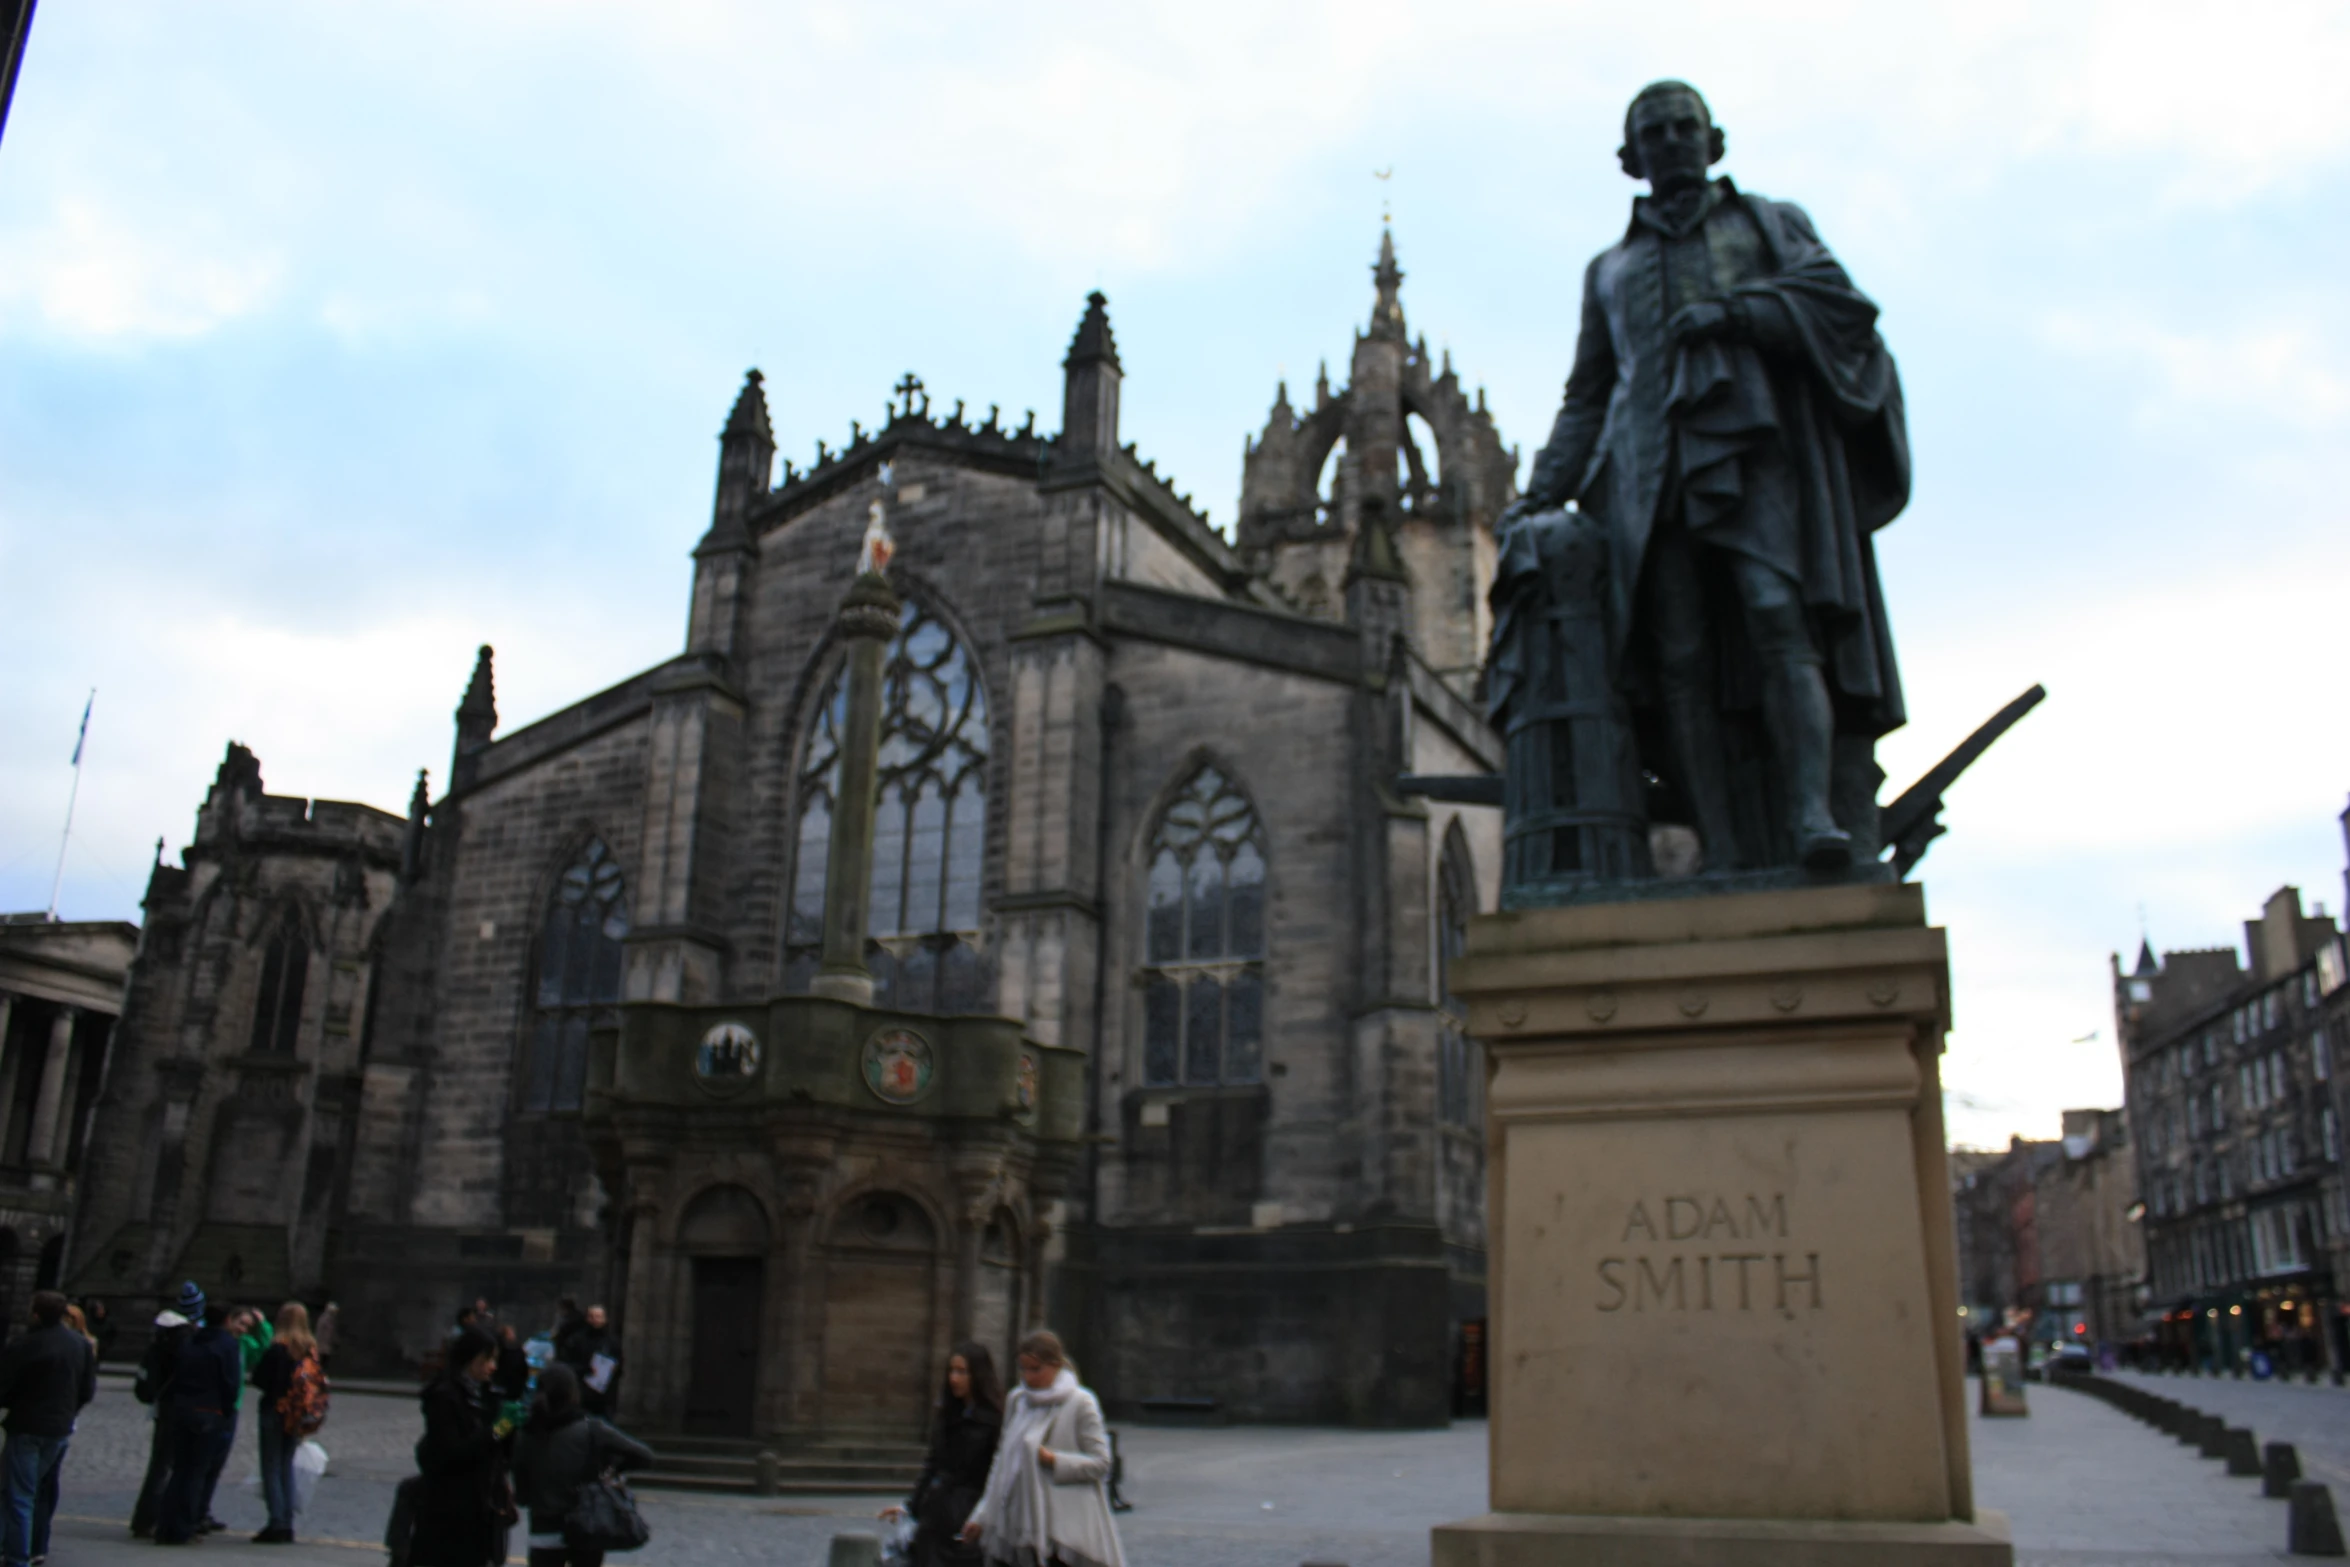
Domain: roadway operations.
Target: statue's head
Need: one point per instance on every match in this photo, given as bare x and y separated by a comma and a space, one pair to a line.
1670, 138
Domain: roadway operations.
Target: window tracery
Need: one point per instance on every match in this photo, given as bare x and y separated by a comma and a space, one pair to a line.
1460, 1060
277, 1004
929, 828
1204, 939
578, 981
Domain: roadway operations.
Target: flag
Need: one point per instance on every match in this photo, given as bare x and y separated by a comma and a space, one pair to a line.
84, 732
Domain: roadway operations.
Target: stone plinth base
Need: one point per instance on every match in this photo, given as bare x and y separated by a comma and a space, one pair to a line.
1558, 1540
1721, 1270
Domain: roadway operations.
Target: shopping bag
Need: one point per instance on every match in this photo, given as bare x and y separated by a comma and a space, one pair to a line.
309, 1464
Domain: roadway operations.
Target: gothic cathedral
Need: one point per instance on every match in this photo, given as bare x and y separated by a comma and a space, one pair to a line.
1157, 1047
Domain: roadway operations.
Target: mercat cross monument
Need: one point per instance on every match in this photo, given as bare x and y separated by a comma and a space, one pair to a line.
1722, 1280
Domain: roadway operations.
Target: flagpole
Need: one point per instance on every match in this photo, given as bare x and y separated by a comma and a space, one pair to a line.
57, 882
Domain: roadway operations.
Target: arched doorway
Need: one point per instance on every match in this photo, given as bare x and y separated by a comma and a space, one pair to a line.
880, 1275
724, 1238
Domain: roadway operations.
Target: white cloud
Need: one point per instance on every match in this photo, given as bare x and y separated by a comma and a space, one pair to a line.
89, 271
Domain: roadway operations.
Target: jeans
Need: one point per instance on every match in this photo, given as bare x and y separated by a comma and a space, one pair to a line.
199, 1446
28, 1467
277, 1470
219, 1462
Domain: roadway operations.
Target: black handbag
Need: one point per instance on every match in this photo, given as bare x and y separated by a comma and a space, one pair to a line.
603, 1517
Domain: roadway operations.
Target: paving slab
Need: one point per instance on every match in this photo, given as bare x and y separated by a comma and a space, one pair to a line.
2083, 1485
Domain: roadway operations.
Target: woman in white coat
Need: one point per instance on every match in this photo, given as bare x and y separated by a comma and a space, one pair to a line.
1045, 1501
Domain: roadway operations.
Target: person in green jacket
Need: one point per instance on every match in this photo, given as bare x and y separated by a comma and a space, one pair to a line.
254, 1335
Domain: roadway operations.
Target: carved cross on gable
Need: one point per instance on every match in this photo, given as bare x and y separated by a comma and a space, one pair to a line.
909, 385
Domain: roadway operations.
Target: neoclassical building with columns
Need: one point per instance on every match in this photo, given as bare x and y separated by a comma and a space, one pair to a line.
61, 985
1158, 1045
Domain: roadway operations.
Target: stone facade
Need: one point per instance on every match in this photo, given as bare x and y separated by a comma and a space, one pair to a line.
2234, 1105
61, 995
1133, 800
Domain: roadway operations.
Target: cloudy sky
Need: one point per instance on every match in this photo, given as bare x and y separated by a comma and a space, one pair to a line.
335, 340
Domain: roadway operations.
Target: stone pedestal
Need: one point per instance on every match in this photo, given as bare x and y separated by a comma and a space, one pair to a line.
1723, 1285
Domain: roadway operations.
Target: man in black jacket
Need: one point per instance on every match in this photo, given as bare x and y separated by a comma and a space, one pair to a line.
201, 1407
45, 1378
153, 1388
594, 1355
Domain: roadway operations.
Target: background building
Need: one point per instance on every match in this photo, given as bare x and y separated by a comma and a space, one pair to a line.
2230, 1078
1133, 799
61, 992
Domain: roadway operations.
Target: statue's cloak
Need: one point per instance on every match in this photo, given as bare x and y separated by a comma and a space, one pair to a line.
1794, 450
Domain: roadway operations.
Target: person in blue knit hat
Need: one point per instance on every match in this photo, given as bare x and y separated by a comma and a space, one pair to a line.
201, 1407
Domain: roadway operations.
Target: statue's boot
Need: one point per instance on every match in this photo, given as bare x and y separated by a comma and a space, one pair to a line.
1697, 746
1803, 724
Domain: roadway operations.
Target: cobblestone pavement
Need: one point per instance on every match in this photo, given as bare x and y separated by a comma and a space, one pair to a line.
2084, 1486
2315, 1419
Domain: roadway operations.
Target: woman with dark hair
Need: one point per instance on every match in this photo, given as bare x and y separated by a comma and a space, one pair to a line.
463, 1509
962, 1445
1045, 1500
562, 1448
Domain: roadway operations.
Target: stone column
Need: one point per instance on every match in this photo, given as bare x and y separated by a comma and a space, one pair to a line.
7, 1006
868, 619
41, 1142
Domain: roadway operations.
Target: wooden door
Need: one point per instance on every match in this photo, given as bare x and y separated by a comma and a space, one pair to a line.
729, 1297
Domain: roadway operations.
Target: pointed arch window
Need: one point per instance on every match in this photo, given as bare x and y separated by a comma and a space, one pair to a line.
578, 983
277, 1004
1460, 1060
1203, 978
929, 829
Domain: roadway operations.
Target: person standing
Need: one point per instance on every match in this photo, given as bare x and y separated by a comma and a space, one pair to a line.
152, 1387
969, 1422
594, 1357
1044, 1500
292, 1356
462, 1506
46, 1376
562, 1448
201, 1409
325, 1330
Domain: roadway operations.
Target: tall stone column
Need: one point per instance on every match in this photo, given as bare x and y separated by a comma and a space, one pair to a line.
868, 619
41, 1144
7, 1006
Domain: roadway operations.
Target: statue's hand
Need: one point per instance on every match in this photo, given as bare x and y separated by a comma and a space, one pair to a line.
1703, 319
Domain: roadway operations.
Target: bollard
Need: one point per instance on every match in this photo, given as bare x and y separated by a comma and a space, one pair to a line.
2240, 1450
2313, 1530
2214, 1443
2280, 1468
864, 1550
2164, 1415
770, 1478
2189, 1430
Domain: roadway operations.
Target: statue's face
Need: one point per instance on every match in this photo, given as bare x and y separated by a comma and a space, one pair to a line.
1672, 136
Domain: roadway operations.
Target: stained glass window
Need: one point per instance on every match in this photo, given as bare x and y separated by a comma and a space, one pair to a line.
277, 1005
929, 829
578, 978
1203, 983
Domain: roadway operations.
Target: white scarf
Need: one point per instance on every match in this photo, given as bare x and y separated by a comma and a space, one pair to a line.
1019, 1521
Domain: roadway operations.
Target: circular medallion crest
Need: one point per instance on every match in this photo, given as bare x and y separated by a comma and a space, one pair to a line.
727, 1057
898, 1065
